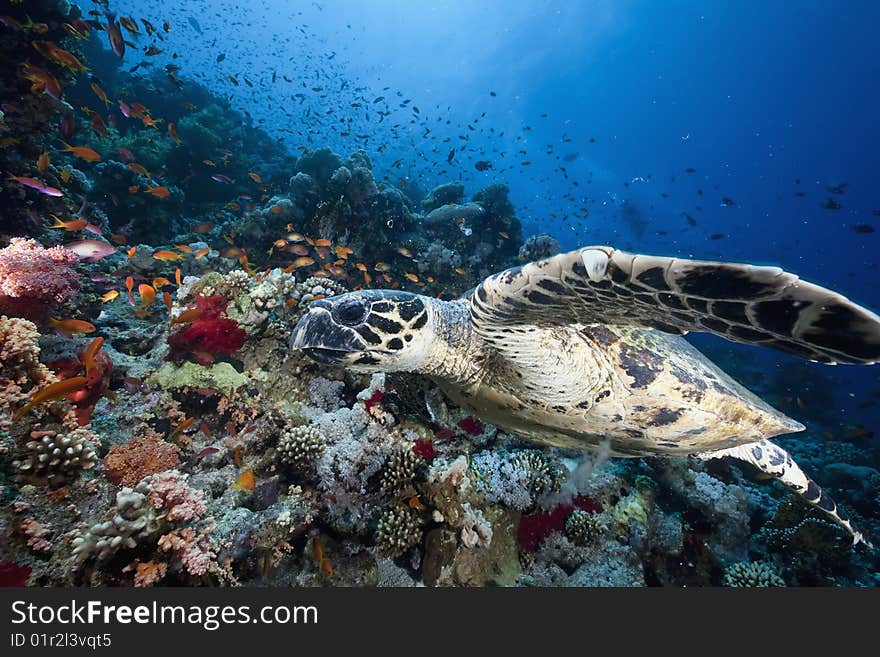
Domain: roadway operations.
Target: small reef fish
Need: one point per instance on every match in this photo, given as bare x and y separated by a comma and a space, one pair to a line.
188, 316
303, 261
91, 250
172, 132
201, 253
67, 327
405, 252
53, 392
220, 178
88, 356
82, 152
117, 43
139, 169
323, 563
160, 282
129, 286
100, 93
255, 177
33, 183
107, 297
167, 255
245, 482
75, 225
147, 294
43, 162
42, 81
202, 228
158, 192
126, 155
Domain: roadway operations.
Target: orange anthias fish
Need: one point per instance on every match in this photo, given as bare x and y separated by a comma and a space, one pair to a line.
58, 55
41, 81
74, 225
342, 251
43, 162
138, 169
245, 482
158, 192
68, 327
82, 152
88, 356
147, 293
160, 282
53, 392
255, 177
172, 132
166, 299
167, 255
100, 93
129, 286
188, 316
303, 261
117, 43
202, 228
177, 277
201, 253
323, 563
107, 297
405, 252
322, 242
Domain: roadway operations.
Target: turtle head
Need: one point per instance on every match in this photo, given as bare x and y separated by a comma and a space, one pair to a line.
367, 330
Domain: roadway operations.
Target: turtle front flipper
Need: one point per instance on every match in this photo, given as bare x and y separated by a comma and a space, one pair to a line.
745, 303
771, 459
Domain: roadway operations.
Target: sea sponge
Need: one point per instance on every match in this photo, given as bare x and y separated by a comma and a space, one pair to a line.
130, 462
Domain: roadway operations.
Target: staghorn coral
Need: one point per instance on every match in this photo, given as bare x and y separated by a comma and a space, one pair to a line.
56, 457
300, 447
33, 279
398, 530
754, 574
130, 462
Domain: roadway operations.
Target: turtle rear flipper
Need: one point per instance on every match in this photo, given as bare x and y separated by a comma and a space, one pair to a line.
744, 303
771, 459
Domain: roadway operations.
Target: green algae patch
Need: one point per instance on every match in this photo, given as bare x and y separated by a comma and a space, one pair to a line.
219, 376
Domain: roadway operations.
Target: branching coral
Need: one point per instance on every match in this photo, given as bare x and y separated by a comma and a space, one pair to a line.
300, 447
753, 574
400, 470
20, 366
56, 457
398, 530
582, 527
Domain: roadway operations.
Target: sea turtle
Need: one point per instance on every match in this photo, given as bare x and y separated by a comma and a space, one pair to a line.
584, 348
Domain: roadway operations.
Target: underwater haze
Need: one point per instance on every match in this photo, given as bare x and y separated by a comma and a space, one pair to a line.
183, 180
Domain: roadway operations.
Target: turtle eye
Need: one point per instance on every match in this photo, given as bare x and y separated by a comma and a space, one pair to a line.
349, 312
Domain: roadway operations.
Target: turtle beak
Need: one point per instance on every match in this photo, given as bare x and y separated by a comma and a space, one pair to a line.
322, 339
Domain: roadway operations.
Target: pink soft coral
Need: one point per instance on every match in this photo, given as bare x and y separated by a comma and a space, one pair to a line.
33, 278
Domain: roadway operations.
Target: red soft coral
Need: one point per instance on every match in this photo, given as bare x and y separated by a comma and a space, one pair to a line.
211, 333
33, 278
98, 382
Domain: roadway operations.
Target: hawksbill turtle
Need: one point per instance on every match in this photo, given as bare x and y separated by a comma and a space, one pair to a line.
584, 348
